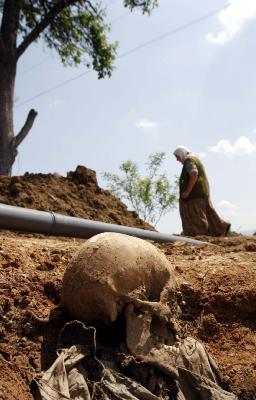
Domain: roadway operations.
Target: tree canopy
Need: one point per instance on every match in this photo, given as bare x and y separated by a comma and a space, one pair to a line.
75, 29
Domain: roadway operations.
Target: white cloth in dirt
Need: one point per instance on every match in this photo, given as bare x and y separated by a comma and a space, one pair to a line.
187, 362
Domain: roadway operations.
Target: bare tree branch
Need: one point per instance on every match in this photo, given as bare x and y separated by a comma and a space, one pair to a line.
31, 8
16, 141
92, 7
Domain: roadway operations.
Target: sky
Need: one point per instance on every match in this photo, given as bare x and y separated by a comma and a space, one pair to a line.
183, 76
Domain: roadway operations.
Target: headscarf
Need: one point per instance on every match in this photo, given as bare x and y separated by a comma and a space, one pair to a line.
182, 152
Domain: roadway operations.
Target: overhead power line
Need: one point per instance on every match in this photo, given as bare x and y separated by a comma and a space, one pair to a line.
34, 66
173, 31
139, 47
48, 58
54, 87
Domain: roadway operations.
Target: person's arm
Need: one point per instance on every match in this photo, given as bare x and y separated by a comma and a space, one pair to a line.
192, 180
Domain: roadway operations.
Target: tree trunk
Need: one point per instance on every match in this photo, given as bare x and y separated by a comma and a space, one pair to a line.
8, 63
7, 150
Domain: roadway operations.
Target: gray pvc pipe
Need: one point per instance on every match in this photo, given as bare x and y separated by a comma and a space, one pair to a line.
29, 220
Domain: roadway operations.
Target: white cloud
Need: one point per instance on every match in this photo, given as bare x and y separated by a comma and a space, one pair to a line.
227, 206
241, 146
233, 18
145, 124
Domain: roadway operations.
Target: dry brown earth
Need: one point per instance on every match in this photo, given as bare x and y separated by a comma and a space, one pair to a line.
217, 281
77, 195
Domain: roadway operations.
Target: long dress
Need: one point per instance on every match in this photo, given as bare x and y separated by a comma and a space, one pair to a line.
200, 218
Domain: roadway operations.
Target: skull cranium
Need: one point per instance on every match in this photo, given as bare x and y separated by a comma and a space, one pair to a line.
114, 272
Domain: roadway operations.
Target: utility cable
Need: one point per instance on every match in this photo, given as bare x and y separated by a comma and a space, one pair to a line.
49, 58
139, 47
34, 66
173, 32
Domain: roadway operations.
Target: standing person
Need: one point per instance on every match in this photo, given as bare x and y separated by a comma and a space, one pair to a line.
197, 213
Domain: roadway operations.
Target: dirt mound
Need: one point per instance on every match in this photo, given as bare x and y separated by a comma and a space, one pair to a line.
216, 293
77, 195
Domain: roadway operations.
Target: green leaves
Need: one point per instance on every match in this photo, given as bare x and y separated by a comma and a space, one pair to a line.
151, 196
80, 36
147, 5
75, 29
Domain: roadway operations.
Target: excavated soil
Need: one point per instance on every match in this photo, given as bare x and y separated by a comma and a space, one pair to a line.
217, 285
77, 195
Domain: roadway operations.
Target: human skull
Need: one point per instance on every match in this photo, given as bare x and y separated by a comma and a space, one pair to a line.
113, 272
